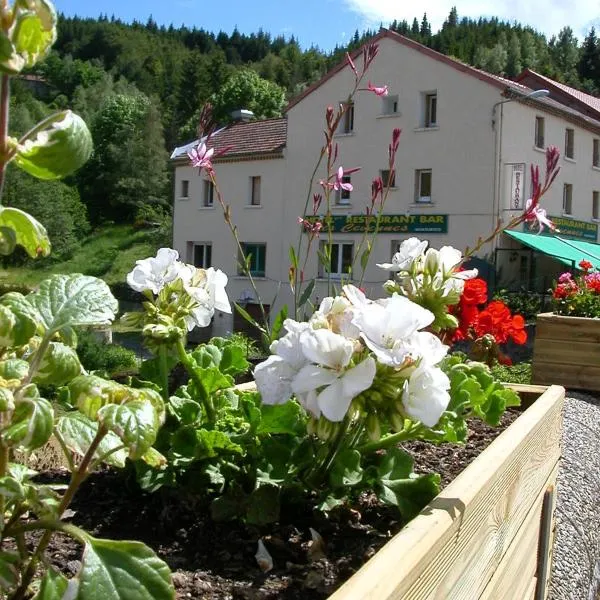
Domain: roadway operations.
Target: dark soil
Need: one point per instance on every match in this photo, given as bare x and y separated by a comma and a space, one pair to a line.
213, 561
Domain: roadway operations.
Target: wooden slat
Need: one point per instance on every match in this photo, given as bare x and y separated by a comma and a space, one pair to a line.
518, 567
568, 352
556, 327
571, 376
451, 550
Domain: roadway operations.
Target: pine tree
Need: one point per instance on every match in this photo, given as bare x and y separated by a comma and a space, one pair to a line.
513, 57
589, 63
414, 30
529, 58
452, 21
425, 30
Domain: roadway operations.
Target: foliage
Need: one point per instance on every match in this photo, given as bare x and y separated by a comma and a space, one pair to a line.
96, 355
578, 296
519, 373
523, 302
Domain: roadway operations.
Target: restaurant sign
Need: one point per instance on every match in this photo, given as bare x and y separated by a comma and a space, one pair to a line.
582, 230
387, 224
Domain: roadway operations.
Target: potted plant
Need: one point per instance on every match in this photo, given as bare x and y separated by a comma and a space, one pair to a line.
567, 340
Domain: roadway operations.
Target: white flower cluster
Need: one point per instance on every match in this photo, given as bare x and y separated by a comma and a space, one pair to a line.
329, 360
416, 266
204, 287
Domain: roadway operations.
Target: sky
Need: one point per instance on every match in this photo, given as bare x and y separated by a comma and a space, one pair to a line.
325, 23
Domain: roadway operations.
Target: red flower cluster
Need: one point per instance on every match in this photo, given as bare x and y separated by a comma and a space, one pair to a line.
495, 319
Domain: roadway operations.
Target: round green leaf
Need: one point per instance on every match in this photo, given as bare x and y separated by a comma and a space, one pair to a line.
31, 425
58, 150
7, 401
28, 232
8, 241
9, 569
18, 321
32, 36
112, 570
59, 365
73, 300
14, 368
53, 586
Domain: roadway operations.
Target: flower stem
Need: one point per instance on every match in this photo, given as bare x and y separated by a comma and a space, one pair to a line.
190, 367
390, 440
4, 110
163, 370
77, 478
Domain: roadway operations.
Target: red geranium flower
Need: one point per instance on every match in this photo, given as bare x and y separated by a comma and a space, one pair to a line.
586, 265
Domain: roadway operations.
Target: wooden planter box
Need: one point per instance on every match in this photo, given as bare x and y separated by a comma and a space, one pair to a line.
488, 535
567, 352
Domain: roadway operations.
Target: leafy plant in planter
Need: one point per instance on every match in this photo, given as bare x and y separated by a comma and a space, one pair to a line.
37, 348
578, 296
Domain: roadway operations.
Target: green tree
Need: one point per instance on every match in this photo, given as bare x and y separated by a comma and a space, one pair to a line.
513, 56
589, 63
529, 58
245, 89
565, 56
128, 169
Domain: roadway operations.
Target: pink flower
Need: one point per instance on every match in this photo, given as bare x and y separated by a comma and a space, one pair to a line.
565, 278
339, 184
351, 64
201, 157
536, 216
378, 91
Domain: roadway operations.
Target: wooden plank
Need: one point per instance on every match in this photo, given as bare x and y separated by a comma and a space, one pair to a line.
571, 352
570, 376
557, 327
518, 567
451, 550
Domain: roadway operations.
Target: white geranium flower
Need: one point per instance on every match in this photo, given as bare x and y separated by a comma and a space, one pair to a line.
449, 259
410, 250
329, 386
425, 396
207, 289
424, 347
288, 347
154, 273
216, 282
335, 314
273, 379
386, 327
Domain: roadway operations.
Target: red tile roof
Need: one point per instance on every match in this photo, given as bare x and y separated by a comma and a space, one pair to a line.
591, 101
244, 139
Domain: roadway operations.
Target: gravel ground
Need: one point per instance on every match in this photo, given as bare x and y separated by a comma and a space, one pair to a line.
576, 562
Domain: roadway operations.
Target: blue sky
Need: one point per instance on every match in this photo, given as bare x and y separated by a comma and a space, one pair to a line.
329, 22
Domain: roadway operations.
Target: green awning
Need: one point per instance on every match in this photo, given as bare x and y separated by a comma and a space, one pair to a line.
570, 252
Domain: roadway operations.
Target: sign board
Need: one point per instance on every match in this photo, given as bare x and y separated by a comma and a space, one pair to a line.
516, 177
387, 224
572, 228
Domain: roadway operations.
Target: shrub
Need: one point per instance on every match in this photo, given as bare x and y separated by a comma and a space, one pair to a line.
522, 302
96, 355
578, 296
519, 373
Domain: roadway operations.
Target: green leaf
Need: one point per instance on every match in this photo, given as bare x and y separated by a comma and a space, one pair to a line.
21, 472
213, 443
346, 469
135, 423
364, 259
33, 36
73, 301
10, 61
213, 380
233, 360
60, 364
29, 233
229, 506
9, 571
77, 432
7, 399
185, 410
154, 458
31, 424
248, 317
278, 322
306, 294
58, 150
8, 241
281, 418
14, 368
399, 486
207, 356
263, 505
115, 570
10, 488
293, 257
53, 586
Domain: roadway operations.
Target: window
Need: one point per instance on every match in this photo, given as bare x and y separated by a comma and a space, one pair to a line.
430, 112
184, 191
595, 207
254, 191
385, 176
390, 105
348, 118
200, 255
208, 193
570, 143
539, 132
423, 186
596, 153
341, 259
255, 256
342, 196
568, 199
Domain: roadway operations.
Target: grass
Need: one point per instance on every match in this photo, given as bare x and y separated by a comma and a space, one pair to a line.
109, 253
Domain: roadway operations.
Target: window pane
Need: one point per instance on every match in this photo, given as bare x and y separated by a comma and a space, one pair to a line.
185, 188
595, 198
425, 183
199, 255
255, 192
596, 155
207, 256
335, 256
346, 258
433, 110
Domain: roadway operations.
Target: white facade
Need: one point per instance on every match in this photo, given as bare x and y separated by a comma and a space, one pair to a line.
469, 147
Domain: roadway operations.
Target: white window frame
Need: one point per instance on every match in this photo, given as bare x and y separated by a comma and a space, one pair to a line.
208, 194
184, 189
389, 105
255, 191
344, 197
570, 143
338, 273
419, 197
206, 261
430, 106
539, 134
567, 199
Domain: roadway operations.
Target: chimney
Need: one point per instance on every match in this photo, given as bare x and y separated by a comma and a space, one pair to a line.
242, 115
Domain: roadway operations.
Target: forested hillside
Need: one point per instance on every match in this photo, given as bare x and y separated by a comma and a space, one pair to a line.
140, 88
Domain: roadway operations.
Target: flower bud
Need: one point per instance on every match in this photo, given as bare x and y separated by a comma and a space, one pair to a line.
432, 261
390, 286
324, 429
396, 419
373, 427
